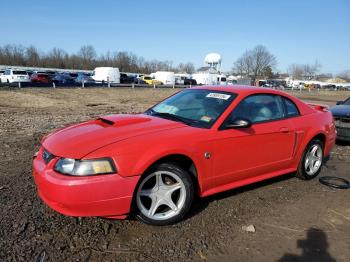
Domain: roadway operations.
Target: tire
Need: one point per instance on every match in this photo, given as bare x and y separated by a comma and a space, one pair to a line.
164, 195
335, 182
312, 160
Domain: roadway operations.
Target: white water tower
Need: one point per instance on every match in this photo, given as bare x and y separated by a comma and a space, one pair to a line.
213, 60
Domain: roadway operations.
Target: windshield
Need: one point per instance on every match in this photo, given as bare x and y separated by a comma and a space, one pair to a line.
19, 72
195, 107
347, 102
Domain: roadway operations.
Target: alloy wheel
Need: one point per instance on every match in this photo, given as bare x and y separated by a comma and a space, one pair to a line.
161, 195
313, 160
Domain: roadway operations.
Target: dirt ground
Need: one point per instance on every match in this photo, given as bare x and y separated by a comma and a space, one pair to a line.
294, 220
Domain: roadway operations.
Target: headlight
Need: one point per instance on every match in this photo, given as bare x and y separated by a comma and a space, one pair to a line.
74, 167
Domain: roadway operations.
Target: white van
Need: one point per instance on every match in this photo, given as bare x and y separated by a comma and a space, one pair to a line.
105, 74
167, 78
14, 76
222, 80
181, 77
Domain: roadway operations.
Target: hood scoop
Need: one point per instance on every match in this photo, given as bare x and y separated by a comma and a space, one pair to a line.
106, 121
122, 120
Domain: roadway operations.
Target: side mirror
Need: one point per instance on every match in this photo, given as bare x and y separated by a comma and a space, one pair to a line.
238, 123
339, 102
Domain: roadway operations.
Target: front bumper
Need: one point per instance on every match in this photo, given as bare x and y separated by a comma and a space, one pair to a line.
100, 195
343, 134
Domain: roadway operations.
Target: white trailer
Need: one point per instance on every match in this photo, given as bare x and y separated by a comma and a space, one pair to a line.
106, 74
205, 78
167, 78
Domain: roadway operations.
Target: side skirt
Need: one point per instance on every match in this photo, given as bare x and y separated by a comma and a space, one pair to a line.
247, 181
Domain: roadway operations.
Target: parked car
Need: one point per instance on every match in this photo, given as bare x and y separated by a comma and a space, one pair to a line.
63, 78
40, 77
341, 114
200, 141
84, 77
51, 73
190, 81
139, 81
150, 81
126, 79
29, 72
14, 76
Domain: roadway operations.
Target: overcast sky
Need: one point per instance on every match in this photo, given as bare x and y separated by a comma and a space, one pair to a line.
295, 31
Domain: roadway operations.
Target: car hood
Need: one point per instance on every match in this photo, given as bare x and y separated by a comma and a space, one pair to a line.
79, 140
341, 110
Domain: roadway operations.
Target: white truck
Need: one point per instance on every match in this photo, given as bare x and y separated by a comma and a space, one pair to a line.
205, 78
167, 78
14, 76
106, 74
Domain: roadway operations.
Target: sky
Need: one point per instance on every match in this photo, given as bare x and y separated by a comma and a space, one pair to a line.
295, 31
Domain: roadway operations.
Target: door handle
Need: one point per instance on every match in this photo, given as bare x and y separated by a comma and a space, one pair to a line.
284, 129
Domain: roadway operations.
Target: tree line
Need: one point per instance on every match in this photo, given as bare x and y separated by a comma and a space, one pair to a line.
87, 59
257, 63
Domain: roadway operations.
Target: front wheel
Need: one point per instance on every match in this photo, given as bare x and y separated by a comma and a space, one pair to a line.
311, 161
164, 196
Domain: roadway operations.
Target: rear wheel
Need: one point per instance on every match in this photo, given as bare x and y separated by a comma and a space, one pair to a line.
164, 196
312, 160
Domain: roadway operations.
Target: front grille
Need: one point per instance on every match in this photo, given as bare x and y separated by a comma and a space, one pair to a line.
345, 119
342, 121
47, 156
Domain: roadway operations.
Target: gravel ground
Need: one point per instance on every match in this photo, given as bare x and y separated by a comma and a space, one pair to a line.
292, 220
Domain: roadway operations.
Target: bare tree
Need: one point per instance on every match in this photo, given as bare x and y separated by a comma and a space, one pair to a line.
296, 71
87, 53
32, 56
304, 71
186, 68
345, 75
85, 58
255, 63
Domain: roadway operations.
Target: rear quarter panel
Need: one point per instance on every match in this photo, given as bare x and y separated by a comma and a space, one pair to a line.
310, 125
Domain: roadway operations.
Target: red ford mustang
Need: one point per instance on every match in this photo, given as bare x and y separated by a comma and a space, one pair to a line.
200, 141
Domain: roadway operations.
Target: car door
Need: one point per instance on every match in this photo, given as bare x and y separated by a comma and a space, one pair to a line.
265, 147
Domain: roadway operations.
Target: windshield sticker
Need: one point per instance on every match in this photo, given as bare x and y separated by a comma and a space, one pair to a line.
206, 118
219, 96
164, 108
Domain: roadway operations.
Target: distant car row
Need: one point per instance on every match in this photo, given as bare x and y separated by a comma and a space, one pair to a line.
99, 75
15, 76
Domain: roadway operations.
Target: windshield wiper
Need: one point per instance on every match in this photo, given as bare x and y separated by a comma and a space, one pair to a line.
173, 117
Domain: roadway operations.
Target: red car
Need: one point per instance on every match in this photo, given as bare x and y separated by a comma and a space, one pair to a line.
200, 141
40, 78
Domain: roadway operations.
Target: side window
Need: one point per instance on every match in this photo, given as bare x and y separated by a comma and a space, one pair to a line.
291, 108
259, 108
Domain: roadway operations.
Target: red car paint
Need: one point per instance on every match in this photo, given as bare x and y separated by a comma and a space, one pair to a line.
40, 78
134, 142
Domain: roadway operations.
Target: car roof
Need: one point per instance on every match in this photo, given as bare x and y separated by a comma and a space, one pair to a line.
242, 89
